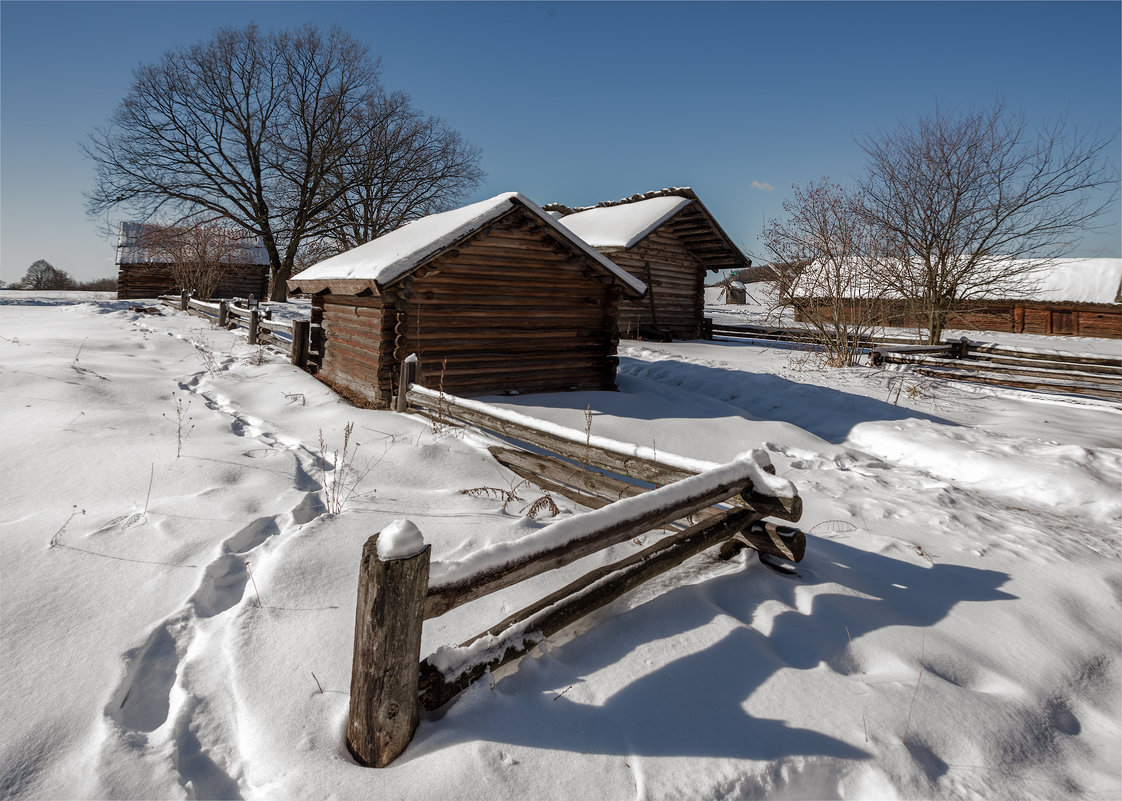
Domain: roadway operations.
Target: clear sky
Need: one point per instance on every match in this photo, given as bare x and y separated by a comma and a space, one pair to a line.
578, 102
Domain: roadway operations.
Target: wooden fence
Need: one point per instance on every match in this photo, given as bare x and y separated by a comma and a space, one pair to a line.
290, 336
719, 505
980, 363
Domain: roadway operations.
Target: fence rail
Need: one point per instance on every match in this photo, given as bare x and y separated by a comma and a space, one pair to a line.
700, 504
994, 365
290, 336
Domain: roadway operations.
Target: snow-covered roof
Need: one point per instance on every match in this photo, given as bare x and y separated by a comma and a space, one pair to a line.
625, 225
1078, 281
1071, 280
131, 248
393, 255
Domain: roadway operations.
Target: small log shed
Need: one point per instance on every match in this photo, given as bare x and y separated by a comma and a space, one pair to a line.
494, 297
143, 272
667, 239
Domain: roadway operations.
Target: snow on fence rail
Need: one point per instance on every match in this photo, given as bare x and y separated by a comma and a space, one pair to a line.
288, 335
400, 587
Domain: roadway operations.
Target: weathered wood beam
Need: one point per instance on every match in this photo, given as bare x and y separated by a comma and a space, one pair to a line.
529, 626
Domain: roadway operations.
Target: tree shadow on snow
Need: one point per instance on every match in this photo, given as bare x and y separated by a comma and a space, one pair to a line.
693, 706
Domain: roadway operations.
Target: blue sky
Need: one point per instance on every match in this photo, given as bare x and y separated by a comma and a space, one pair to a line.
578, 102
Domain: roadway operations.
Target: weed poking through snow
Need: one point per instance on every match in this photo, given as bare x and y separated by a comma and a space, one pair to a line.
340, 482
62, 530
183, 423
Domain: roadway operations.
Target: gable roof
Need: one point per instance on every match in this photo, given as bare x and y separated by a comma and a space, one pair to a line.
623, 224
132, 250
392, 256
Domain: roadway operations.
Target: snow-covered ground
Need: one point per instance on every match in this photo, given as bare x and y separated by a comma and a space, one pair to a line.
176, 607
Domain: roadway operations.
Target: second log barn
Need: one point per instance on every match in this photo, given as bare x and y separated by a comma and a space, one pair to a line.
495, 297
668, 240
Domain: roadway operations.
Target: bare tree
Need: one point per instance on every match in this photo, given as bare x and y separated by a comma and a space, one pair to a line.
823, 247
247, 127
409, 166
974, 205
199, 255
42, 275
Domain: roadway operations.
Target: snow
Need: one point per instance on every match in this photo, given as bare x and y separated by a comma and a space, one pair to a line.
178, 627
623, 225
392, 255
1078, 280
400, 540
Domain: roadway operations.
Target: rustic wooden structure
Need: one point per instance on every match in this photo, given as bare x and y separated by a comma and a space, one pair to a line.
261, 329
667, 239
394, 598
495, 297
1056, 318
1065, 297
143, 272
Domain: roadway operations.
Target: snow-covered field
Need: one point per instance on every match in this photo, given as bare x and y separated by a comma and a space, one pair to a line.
179, 624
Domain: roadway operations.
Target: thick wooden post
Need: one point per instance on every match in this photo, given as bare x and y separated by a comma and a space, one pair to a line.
253, 326
385, 671
407, 376
300, 343
184, 299
707, 328
223, 313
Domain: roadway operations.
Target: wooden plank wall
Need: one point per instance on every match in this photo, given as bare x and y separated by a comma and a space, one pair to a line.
153, 280
515, 309
1055, 319
675, 282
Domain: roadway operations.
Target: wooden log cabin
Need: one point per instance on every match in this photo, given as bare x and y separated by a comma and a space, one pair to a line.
144, 272
493, 298
668, 240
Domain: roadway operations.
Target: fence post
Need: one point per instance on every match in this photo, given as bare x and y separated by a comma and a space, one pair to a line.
707, 328
223, 313
385, 670
963, 348
300, 343
253, 326
406, 377
184, 300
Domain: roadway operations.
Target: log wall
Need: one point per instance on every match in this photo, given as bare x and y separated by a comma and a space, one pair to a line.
515, 309
675, 281
153, 280
352, 346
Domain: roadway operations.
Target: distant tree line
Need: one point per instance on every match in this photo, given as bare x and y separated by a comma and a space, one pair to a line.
42, 275
290, 136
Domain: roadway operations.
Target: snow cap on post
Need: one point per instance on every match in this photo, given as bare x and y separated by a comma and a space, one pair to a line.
400, 540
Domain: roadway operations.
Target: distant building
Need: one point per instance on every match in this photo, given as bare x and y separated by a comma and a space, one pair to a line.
668, 240
143, 270
1068, 297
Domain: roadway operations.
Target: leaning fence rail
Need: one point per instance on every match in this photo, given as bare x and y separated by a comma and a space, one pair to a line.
701, 504
291, 336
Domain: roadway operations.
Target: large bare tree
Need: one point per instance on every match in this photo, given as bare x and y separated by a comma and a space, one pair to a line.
251, 127
826, 253
409, 165
976, 204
